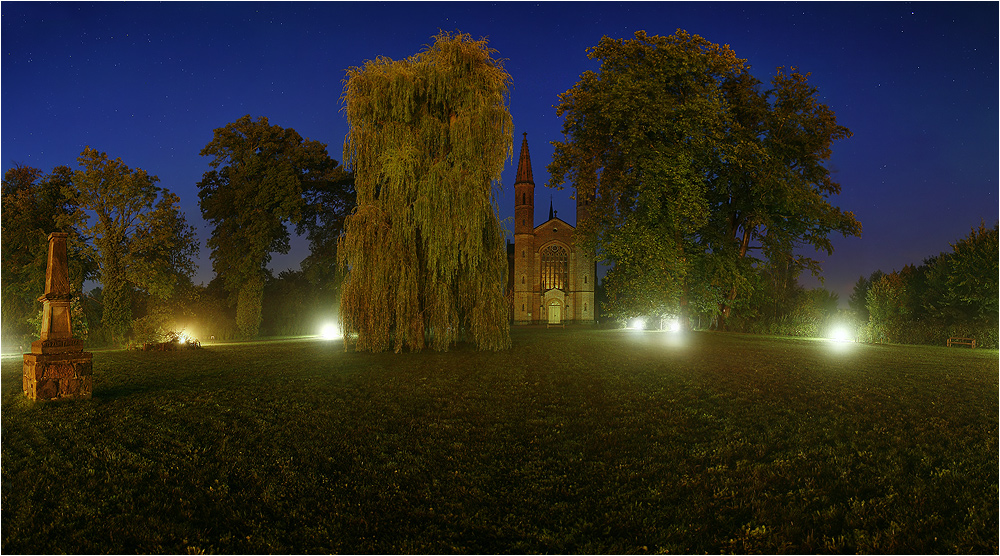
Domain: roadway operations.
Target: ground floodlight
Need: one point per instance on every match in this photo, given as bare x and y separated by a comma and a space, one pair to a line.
840, 333
329, 331
638, 323
674, 325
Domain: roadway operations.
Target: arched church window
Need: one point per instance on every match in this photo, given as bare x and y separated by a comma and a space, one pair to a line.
555, 268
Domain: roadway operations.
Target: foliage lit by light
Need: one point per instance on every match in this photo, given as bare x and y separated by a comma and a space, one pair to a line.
184, 335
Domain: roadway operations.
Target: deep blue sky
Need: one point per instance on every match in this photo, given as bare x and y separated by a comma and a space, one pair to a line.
915, 82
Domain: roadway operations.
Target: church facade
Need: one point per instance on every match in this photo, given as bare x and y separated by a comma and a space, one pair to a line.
553, 278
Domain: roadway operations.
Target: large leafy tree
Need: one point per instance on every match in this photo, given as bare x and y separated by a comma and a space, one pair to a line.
35, 205
140, 239
327, 205
770, 188
261, 181
963, 285
429, 137
639, 135
887, 308
688, 165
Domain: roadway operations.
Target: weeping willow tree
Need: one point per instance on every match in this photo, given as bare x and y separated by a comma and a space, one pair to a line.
428, 139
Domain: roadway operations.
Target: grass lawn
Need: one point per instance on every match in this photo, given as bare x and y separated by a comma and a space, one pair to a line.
577, 440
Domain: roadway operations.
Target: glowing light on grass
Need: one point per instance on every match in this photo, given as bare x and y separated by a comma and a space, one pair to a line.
840, 333
329, 331
637, 323
184, 334
674, 325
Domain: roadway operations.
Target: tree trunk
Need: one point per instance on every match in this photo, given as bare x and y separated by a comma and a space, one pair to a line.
725, 308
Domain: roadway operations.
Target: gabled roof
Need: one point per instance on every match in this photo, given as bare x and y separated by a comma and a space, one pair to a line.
555, 221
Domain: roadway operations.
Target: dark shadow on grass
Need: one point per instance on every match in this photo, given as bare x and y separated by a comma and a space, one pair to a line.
149, 372
127, 390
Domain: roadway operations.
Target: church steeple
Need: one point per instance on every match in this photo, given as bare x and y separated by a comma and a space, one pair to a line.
524, 193
524, 164
524, 302
551, 214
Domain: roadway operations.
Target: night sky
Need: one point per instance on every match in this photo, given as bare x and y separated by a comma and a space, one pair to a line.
915, 82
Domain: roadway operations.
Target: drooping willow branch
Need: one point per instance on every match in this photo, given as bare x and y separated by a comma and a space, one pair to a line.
429, 137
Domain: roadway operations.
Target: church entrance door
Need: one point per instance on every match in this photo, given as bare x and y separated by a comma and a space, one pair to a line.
555, 314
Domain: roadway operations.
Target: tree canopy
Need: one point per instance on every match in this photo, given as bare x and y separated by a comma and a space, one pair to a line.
35, 205
261, 180
327, 205
688, 165
429, 137
967, 280
140, 239
955, 293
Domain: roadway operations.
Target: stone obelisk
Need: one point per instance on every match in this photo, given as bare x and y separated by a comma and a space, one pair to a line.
57, 367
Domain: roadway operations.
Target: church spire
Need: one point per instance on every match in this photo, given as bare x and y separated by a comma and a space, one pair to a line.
524, 195
551, 214
524, 165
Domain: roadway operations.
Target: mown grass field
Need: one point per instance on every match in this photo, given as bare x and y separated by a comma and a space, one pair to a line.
575, 441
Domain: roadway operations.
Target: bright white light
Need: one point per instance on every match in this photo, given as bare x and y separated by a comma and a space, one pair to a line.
840, 334
674, 325
182, 339
638, 323
330, 332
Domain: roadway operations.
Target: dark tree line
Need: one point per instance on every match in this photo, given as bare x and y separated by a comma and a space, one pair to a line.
129, 238
701, 183
126, 233
778, 304
953, 293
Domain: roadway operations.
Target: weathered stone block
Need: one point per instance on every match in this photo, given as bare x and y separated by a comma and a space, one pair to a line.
60, 369
46, 390
58, 376
61, 345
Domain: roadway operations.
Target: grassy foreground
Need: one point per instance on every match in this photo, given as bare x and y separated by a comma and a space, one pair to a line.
574, 441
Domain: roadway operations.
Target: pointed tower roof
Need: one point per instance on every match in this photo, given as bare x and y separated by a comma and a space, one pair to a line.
551, 214
524, 165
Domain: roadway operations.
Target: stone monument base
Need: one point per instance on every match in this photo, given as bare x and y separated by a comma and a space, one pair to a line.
57, 367
58, 376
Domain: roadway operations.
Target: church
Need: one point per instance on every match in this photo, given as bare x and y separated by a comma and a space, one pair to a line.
551, 278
